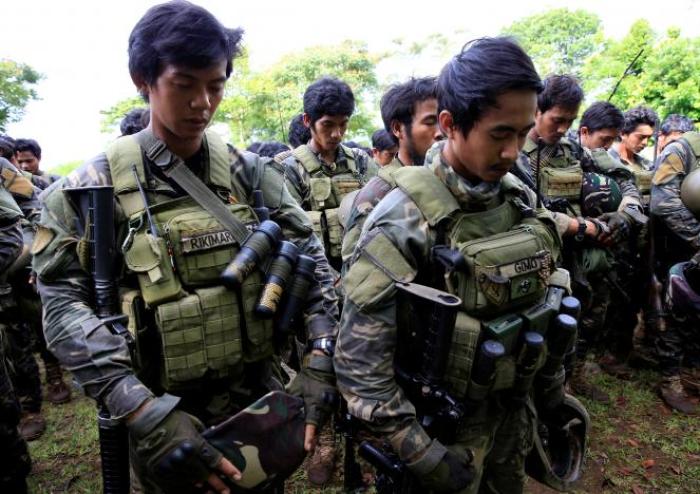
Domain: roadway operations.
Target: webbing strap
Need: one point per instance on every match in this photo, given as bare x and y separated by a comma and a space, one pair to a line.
175, 168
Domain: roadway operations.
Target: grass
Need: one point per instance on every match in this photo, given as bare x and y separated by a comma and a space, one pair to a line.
637, 445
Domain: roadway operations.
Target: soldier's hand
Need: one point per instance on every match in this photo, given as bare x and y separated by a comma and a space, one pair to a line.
315, 383
171, 450
618, 228
441, 470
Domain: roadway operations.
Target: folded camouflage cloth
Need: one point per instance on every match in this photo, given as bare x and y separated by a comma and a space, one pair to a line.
265, 441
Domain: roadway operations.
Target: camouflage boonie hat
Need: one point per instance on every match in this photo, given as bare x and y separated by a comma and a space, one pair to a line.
599, 194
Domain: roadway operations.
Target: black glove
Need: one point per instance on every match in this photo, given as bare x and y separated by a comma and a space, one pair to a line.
442, 470
315, 383
170, 447
619, 225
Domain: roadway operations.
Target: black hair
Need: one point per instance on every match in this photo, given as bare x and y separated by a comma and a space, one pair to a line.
328, 96
298, 132
602, 115
471, 82
7, 146
355, 145
399, 102
676, 123
639, 115
560, 90
254, 147
383, 140
270, 148
182, 34
135, 121
30, 145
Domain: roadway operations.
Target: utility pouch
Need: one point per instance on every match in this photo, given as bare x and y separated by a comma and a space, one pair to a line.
335, 232
317, 221
562, 182
643, 179
504, 271
321, 192
465, 337
343, 184
147, 256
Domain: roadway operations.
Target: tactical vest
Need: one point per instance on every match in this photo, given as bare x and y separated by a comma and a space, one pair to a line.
327, 189
205, 329
507, 268
9, 210
560, 176
642, 178
689, 187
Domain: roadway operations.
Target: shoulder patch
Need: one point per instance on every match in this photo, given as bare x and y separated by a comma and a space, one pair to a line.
42, 238
671, 166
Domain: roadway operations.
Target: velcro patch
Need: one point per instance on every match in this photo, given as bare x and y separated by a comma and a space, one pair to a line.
671, 166
42, 238
206, 240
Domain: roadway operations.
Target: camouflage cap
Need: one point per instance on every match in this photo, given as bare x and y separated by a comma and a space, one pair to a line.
599, 194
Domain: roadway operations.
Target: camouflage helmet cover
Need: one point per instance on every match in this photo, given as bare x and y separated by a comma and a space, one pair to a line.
599, 194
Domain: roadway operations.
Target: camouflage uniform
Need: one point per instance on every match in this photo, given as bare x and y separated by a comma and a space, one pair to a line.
99, 360
592, 283
364, 203
677, 240
42, 179
499, 435
20, 340
303, 167
14, 457
642, 169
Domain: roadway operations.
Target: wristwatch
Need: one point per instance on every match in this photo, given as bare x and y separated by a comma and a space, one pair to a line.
581, 232
326, 345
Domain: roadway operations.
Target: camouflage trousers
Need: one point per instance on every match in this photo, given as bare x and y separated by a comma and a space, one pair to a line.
15, 463
24, 370
679, 344
500, 437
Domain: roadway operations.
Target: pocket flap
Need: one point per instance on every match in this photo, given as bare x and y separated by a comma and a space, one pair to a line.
144, 253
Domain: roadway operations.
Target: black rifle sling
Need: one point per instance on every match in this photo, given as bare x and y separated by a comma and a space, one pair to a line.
175, 168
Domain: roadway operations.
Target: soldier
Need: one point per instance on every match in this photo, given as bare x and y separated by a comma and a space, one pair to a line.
29, 160
19, 337
639, 126
15, 463
673, 127
487, 97
134, 121
383, 147
588, 192
674, 202
298, 133
7, 149
600, 125
320, 173
195, 338
409, 112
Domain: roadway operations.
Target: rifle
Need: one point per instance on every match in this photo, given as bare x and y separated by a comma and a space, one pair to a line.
625, 74
96, 206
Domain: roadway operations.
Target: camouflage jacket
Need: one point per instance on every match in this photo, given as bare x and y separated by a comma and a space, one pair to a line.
22, 190
298, 178
569, 151
364, 357
99, 360
42, 180
666, 202
639, 163
10, 229
364, 202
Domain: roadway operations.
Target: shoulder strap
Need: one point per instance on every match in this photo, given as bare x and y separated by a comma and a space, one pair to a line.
176, 169
350, 157
279, 158
219, 161
122, 154
387, 174
307, 158
429, 193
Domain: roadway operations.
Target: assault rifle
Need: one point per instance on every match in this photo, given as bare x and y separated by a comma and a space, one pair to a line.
96, 208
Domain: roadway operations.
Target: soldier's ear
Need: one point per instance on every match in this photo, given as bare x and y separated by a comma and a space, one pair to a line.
307, 120
446, 123
141, 85
397, 128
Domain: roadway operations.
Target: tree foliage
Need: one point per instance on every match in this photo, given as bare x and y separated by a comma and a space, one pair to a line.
558, 40
259, 105
112, 117
17, 88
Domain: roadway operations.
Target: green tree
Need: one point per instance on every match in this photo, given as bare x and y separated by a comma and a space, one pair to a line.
17, 88
665, 77
112, 116
259, 105
558, 40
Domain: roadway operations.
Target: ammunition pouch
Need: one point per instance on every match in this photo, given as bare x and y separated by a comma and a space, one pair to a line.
562, 182
504, 272
643, 179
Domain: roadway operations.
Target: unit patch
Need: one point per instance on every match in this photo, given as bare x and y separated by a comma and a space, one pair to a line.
200, 241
